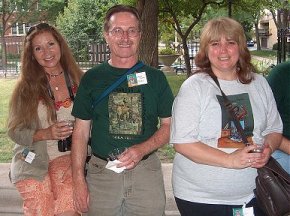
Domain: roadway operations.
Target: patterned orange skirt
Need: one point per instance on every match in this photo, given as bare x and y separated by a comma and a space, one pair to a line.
53, 195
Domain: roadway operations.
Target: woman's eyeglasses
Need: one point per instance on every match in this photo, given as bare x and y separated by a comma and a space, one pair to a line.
39, 26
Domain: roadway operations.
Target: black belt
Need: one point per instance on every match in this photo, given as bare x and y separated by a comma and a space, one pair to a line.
106, 159
100, 157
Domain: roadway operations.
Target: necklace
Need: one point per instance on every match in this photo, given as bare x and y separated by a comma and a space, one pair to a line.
54, 75
56, 88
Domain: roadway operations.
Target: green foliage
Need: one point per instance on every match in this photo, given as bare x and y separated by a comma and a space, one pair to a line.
18, 9
82, 23
182, 16
166, 153
275, 47
166, 33
48, 10
128, 2
167, 51
263, 67
264, 64
52, 9
11, 56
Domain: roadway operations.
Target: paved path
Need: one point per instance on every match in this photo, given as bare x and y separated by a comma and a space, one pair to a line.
11, 204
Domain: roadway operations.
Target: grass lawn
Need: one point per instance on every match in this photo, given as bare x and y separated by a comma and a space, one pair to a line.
265, 53
6, 145
175, 82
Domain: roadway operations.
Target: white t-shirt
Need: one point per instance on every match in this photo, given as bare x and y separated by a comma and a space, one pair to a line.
197, 116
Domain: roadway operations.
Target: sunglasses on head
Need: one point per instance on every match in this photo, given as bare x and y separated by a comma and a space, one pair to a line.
39, 26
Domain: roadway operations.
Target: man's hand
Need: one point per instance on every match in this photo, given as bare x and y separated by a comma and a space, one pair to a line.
81, 196
79, 155
131, 157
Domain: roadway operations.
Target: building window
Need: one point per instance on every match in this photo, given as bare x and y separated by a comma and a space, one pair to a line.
20, 28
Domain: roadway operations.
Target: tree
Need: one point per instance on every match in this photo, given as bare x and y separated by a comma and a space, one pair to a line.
280, 10
11, 13
25, 11
251, 11
82, 24
248, 13
149, 43
148, 11
169, 12
87, 26
52, 8
174, 12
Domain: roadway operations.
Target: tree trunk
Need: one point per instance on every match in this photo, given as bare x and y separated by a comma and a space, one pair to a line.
149, 43
258, 42
4, 50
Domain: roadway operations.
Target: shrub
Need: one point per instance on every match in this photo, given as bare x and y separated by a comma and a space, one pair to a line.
167, 51
275, 46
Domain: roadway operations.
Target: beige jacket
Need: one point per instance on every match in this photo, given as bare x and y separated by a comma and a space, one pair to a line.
44, 150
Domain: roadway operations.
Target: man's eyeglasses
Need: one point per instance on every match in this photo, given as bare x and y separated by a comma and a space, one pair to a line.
131, 32
39, 26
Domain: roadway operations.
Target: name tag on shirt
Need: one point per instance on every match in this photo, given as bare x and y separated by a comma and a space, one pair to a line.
27, 156
136, 79
243, 211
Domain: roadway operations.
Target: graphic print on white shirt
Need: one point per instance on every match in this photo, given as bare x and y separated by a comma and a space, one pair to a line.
230, 137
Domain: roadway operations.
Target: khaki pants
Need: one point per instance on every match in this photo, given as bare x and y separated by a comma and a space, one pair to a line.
137, 192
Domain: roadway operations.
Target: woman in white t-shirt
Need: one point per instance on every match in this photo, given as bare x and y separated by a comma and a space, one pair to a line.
213, 171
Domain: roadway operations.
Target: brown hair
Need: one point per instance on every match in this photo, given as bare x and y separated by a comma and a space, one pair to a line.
229, 28
33, 84
121, 8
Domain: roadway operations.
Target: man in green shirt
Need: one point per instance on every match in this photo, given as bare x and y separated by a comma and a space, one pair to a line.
135, 116
279, 80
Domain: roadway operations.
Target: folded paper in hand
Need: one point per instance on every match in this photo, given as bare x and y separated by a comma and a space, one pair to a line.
112, 165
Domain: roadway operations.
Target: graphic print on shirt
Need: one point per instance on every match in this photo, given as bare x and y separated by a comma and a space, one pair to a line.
230, 137
125, 114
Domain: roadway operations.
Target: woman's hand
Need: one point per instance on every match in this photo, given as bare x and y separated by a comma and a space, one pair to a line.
60, 130
243, 158
57, 131
265, 156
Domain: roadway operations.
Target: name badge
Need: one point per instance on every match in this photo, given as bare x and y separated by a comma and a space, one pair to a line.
243, 211
136, 79
238, 212
27, 156
249, 211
